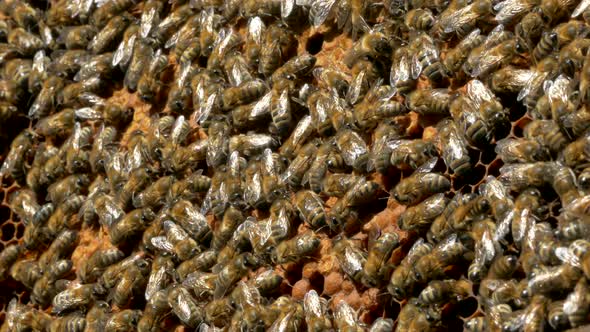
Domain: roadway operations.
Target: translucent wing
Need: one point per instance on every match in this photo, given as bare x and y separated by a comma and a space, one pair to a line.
287, 7
582, 6
155, 282
479, 93
148, 19
352, 262
319, 11
185, 304
312, 304
355, 88
558, 90
458, 18
255, 29
508, 9
124, 51
253, 189
345, 313
161, 243
262, 106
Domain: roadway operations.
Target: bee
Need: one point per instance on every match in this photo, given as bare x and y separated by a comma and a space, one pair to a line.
26, 272
251, 144
172, 22
254, 40
549, 134
564, 184
454, 147
130, 225
176, 241
556, 317
401, 71
46, 99
111, 275
346, 318
411, 152
97, 316
298, 136
77, 37
295, 249
554, 279
420, 185
61, 217
266, 282
219, 311
104, 144
375, 107
294, 69
439, 291
243, 94
100, 66
185, 306
521, 150
495, 57
521, 176
132, 280
502, 267
73, 322
191, 220
202, 284
311, 208
473, 209
426, 58
44, 289
576, 304
125, 320
423, 214
461, 21
227, 40
154, 194
429, 101
8, 256
232, 272
68, 186
277, 45
76, 296
432, 265
337, 184
90, 269
371, 45
149, 82
150, 17
375, 267
102, 15
25, 42
419, 19
61, 247
201, 262
141, 58
24, 204
14, 164
353, 148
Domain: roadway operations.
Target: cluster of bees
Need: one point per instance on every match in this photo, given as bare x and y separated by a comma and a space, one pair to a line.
251, 159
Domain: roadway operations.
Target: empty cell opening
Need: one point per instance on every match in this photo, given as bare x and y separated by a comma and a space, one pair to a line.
314, 43
467, 307
7, 231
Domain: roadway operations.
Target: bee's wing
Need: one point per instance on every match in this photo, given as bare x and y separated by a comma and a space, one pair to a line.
346, 314
287, 7
256, 29
319, 11
508, 9
479, 93
149, 18
262, 106
124, 51
253, 189
312, 304
582, 6
558, 89
458, 19
161, 243
155, 282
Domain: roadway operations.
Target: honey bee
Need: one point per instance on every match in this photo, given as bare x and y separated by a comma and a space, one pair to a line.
96, 66
24, 204
494, 38
130, 225
346, 318
141, 58
298, 136
227, 40
267, 282
245, 93
251, 144
419, 19
112, 273
371, 45
564, 183
125, 320
201, 262
104, 144
176, 241
76, 296
154, 194
296, 171
232, 272
419, 186
353, 149
97, 316
429, 101
278, 44
185, 306
77, 37
14, 163
8, 257
311, 208
432, 265
44, 289
131, 281
422, 215
295, 249
107, 209
172, 22
25, 42
439, 291
521, 176
461, 21
411, 152
375, 267
521, 150
191, 220
473, 209
104, 13
502, 267
46, 99
294, 69
549, 134
149, 82
90, 269
60, 219
218, 312
124, 51
71, 185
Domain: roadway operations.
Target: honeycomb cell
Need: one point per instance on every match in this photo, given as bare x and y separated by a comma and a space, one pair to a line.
314, 43
8, 231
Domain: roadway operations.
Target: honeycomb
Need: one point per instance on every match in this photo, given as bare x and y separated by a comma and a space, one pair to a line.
345, 301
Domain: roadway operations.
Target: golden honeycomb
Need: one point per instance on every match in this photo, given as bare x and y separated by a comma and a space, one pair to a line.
320, 270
